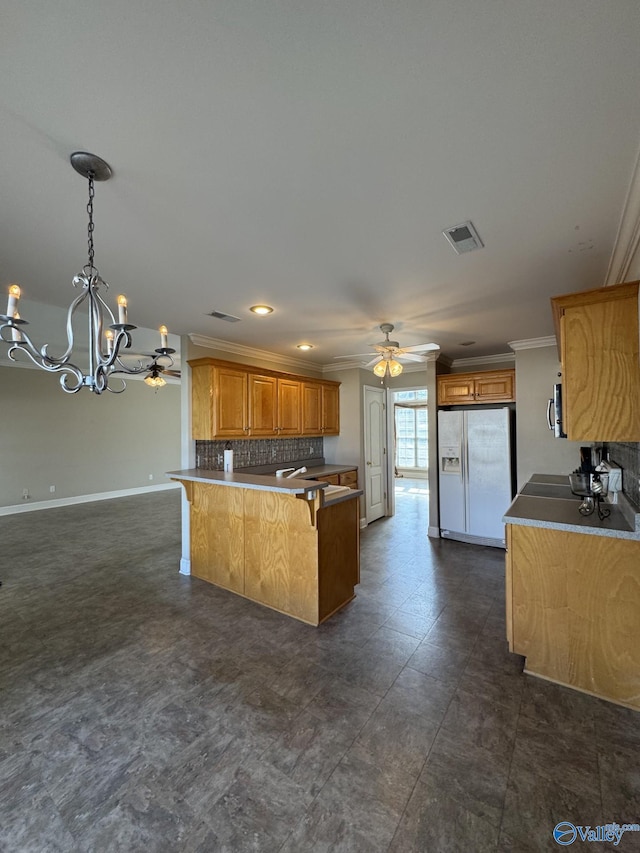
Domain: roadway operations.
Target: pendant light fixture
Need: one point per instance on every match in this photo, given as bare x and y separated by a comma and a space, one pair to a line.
106, 337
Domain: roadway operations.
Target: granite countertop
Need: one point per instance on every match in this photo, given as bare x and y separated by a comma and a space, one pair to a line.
561, 513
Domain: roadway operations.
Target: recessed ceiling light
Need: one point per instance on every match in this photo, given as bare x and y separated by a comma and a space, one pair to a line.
305, 346
261, 309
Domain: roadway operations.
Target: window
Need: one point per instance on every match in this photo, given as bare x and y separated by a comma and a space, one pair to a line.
411, 429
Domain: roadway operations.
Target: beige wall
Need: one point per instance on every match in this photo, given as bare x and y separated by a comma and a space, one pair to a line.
82, 443
538, 451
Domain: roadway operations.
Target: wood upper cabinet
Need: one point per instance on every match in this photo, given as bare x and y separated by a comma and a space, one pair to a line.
320, 408
263, 404
491, 386
289, 419
330, 409
233, 401
219, 398
598, 337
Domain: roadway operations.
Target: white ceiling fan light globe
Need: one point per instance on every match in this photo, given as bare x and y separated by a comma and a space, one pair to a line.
395, 368
380, 369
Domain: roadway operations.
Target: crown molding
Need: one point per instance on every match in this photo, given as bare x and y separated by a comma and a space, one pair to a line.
479, 360
251, 352
533, 343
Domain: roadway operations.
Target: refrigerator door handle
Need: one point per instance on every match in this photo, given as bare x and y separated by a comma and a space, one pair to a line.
549, 418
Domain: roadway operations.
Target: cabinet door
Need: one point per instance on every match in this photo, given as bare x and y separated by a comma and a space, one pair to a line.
311, 408
262, 405
508, 586
456, 389
601, 376
202, 426
332, 479
230, 395
330, 410
289, 408
498, 387
349, 478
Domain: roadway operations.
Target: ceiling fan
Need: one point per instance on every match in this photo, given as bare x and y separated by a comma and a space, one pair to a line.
160, 366
388, 354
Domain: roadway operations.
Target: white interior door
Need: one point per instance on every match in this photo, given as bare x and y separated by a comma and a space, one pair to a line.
375, 453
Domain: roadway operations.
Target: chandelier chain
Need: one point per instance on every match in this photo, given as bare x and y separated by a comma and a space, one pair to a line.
90, 225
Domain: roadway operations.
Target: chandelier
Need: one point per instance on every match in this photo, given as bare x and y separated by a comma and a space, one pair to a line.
106, 340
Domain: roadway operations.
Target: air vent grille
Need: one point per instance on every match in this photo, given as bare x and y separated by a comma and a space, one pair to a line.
220, 315
463, 237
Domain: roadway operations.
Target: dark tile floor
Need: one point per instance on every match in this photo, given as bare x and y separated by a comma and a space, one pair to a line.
146, 711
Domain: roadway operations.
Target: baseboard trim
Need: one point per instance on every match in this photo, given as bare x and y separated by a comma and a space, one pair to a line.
433, 532
185, 566
83, 499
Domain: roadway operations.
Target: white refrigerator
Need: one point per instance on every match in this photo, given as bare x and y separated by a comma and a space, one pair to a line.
474, 460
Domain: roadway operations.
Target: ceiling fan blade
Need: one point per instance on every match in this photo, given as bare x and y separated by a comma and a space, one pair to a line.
409, 356
421, 348
175, 373
373, 361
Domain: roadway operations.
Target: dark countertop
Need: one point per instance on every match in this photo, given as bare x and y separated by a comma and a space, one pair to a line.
561, 513
326, 471
269, 483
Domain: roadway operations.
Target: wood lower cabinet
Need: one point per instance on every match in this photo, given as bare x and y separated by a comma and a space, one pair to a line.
349, 478
572, 609
492, 386
234, 401
288, 553
598, 336
346, 478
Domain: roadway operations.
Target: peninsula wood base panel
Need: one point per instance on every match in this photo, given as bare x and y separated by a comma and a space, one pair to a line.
573, 610
285, 552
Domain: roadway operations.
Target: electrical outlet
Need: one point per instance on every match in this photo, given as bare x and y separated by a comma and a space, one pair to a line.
151, 476
25, 494
52, 489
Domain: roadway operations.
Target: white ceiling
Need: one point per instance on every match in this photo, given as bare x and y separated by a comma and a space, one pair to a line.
309, 154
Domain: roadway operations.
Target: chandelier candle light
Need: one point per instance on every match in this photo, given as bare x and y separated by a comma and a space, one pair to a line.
104, 349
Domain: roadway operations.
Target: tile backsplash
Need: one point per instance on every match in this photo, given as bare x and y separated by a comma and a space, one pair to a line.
249, 453
627, 456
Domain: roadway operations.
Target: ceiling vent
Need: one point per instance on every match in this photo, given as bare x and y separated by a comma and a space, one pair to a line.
220, 316
463, 238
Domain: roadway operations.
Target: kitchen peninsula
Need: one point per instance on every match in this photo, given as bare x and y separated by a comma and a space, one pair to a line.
290, 544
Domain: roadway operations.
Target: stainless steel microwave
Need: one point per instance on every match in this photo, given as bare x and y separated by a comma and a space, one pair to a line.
554, 412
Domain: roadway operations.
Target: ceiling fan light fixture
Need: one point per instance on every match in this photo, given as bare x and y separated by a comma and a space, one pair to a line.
395, 368
380, 369
154, 380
